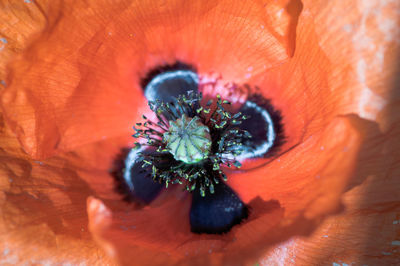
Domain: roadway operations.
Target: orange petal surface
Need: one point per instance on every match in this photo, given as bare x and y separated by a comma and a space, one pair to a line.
81, 74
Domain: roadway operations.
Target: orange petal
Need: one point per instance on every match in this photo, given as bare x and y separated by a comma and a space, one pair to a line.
310, 179
368, 230
73, 87
363, 39
42, 214
17, 29
360, 40
162, 234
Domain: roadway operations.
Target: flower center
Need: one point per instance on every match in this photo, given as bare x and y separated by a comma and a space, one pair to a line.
188, 140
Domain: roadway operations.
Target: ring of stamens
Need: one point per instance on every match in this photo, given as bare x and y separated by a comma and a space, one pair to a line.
184, 126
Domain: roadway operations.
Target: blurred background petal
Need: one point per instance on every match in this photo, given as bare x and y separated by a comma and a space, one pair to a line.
365, 34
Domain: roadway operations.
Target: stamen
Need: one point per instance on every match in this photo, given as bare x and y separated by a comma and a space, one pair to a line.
191, 142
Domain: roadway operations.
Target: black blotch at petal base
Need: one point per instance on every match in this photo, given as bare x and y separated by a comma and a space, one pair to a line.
216, 213
133, 181
257, 126
166, 83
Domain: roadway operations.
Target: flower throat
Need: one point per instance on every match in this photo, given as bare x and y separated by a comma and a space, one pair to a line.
189, 142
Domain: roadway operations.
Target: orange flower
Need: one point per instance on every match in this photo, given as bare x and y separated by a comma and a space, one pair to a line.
71, 93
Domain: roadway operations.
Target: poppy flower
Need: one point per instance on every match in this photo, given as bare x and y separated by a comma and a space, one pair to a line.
79, 75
